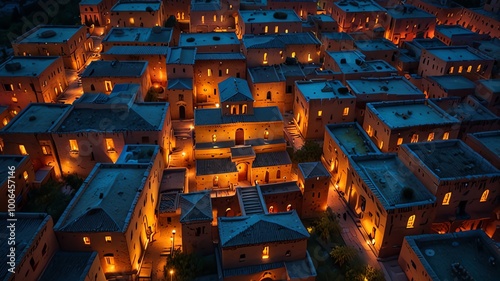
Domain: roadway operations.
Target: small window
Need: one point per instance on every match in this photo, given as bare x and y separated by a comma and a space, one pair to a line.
446, 135
22, 150
266, 134
288, 253
309, 58
110, 259
469, 68
46, 150
320, 113
265, 253
266, 29
276, 29
451, 70
209, 72
214, 138
400, 141
369, 131
484, 196
265, 59
107, 239
5, 121
14, 99
110, 144
271, 209
446, 199
86, 240
430, 137
293, 54
289, 207
414, 138
73, 145
411, 221
346, 111
460, 69
25, 175
242, 257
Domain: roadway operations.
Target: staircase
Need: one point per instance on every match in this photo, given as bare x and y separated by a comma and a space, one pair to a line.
250, 201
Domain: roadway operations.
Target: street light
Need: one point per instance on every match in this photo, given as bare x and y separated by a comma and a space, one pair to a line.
171, 274
173, 240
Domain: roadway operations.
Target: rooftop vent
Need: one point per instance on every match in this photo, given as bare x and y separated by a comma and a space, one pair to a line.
343, 61
343, 90
190, 39
359, 62
216, 38
384, 88
13, 66
280, 15
354, 3
157, 29
47, 34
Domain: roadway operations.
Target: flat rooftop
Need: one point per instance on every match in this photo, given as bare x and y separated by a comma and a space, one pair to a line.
492, 84
265, 16
105, 199
5, 162
26, 66
396, 85
469, 110
102, 68
426, 43
265, 74
491, 140
139, 34
451, 159
352, 138
136, 6
319, 90
375, 45
458, 53
359, 6
137, 50
90, 2
138, 153
37, 118
214, 116
391, 181
140, 117
49, 34
453, 82
404, 114
280, 40
173, 179
408, 12
470, 250
452, 30
282, 187
354, 62
208, 39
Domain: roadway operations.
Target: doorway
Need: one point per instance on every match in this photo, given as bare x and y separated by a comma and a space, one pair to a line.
182, 112
239, 137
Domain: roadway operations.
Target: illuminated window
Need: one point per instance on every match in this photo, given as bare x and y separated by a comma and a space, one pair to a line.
446, 199
414, 138
289, 207
46, 150
22, 149
209, 72
221, 18
367, 19
215, 18
73, 145
400, 141
478, 68
108, 85
110, 145
309, 58
86, 240
25, 176
265, 58
5, 121
276, 28
266, 134
346, 111
320, 113
227, 71
460, 69
451, 70
271, 209
446, 135
293, 54
14, 99
369, 131
430, 137
265, 253
107, 239
286, 30
484, 196
266, 29
469, 68
214, 138
110, 259
202, 19
411, 221
381, 144
132, 21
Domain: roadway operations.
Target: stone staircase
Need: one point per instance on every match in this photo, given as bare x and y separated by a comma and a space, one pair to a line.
250, 200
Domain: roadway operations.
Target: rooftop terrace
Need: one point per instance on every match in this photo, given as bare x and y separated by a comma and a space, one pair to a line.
214, 116
182, 55
452, 30
115, 68
458, 53
375, 45
208, 39
136, 6
354, 62
37, 118
26, 66
491, 140
396, 85
49, 34
319, 90
389, 179
282, 187
105, 199
352, 138
280, 40
451, 159
137, 50
408, 11
453, 82
359, 6
265, 16
73, 266
404, 114
139, 34
470, 250
265, 74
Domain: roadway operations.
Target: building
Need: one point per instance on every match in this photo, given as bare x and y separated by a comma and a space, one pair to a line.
156, 56
35, 244
29, 133
352, 65
487, 144
78, 266
390, 202
322, 23
178, 9
267, 85
318, 103
259, 22
302, 8
196, 220
261, 246
481, 21
27, 80
97, 128
463, 255
102, 76
212, 15
461, 60
336, 41
340, 143
211, 42
488, 91
378, 49
282, 196
447, 86
473, 116
390, 124
392, 88
95, 15
354, 16
407, 22
137, 13
212, 68
274, 49
446, 12
137, 36
5, 116
238, 142
313, 181
181, 90
17, 179
123, 234
462, 181
456, 35
67, 41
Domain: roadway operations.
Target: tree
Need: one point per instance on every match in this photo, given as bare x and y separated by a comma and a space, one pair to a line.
327, 225
185, 266
151, 96
373, 274
170, 22
310, 152
343, 254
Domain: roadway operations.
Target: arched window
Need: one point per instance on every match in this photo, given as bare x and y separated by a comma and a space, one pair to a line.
214, 138
484, 196
244, 109
446, 198
268, 95
266, 134
289, 207
271, 209
411, 221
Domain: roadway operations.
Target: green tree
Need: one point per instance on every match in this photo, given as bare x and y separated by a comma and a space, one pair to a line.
151, 96
170, 22
185, 266
326, 225
373, 274
310, 152
343, 254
